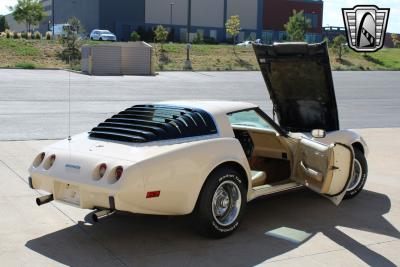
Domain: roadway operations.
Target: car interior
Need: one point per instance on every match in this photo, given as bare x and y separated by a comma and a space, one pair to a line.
268, 153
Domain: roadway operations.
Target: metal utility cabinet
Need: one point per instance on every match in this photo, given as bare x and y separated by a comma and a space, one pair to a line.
131, 58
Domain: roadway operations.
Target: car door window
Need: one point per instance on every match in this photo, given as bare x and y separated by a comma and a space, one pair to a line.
249, 118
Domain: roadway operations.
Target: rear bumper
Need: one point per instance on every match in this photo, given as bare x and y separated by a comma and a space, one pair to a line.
80, 195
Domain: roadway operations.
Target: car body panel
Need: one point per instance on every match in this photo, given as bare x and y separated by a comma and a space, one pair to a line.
178, 168
299, 80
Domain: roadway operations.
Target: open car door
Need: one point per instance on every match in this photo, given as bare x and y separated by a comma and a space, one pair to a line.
324, 169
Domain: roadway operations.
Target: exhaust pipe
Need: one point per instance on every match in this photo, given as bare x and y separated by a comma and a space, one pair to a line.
44, 199
100, 214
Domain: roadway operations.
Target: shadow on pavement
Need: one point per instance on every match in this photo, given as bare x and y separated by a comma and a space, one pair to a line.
137, 240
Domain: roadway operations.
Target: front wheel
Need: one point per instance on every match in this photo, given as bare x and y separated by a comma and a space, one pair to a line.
360, 174
221, 203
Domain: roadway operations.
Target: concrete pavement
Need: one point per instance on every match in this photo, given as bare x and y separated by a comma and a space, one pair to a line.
33, 103
360, 232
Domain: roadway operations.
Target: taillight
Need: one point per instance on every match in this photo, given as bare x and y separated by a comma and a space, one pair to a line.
102, 169
118, 172
49, 162
39, 159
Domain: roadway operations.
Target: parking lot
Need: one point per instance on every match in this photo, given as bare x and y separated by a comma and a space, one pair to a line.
34, 108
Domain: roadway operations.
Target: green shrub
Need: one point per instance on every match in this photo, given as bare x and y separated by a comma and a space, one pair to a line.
24, 35
48, 35
198, 39
135, 36
8, 34
25, 65
16, 35
37, 35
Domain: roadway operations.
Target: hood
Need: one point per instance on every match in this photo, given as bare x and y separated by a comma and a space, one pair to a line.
299, 80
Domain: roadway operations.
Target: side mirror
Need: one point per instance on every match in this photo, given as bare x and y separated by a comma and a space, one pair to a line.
318, 133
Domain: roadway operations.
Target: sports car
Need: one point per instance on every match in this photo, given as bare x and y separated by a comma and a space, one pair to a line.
210, 158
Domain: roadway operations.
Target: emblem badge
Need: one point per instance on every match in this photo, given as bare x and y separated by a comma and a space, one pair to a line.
365, 27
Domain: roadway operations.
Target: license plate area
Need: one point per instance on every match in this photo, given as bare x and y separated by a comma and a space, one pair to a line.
68, 193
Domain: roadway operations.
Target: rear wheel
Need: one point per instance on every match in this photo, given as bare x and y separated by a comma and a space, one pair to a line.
221, 203
360, 174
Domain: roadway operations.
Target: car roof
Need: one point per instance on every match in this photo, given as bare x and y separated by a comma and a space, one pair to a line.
214, 107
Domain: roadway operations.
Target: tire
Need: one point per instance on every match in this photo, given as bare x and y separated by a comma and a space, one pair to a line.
100, 39
221, 203
360, 175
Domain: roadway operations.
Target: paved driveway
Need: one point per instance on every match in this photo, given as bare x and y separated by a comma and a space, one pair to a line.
33, 104
360, 232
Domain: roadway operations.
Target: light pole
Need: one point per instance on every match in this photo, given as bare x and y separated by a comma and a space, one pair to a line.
170, 14
52, 14
188, 63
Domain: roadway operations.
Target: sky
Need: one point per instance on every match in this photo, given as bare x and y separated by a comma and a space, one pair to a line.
332, 11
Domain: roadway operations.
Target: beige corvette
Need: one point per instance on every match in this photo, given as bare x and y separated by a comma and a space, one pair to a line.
210, 158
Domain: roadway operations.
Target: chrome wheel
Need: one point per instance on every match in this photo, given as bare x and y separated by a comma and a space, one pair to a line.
226, 203
357, 175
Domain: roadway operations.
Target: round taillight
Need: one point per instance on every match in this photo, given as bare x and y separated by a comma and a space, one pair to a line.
102, 169
118, 172
49, 162
39, 159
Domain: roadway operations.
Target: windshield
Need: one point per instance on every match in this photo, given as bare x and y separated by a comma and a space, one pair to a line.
105, 32
249, 118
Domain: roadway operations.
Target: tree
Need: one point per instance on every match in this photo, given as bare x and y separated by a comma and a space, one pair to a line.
232, 26
395, 39
297, 26
71, 40
161, 35
28, 11
135, 36
3, 24
339, 46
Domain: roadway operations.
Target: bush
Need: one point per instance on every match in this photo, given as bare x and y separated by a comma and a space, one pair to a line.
16, 35
37, 35
48, 35
25, 65
135, 36
24, 35
8, 34
210, 40
198, 39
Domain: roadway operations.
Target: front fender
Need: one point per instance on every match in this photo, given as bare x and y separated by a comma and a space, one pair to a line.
348, 137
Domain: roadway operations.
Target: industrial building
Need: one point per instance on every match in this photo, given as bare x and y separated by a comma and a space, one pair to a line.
260, 19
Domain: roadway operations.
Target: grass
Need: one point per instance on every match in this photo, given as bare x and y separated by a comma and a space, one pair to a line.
23, 53
25, 65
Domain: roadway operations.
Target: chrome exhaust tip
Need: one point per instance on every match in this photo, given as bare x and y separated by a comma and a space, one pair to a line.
44, 199
100, 214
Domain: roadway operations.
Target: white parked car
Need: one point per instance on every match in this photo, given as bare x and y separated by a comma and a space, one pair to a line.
248, 43
102, 35
210, 158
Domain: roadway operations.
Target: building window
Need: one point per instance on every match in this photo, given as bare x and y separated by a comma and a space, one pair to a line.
313, 18
268, 37
282, 36
213, 34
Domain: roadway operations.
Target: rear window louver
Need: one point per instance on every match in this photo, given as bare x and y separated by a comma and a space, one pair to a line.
147, 123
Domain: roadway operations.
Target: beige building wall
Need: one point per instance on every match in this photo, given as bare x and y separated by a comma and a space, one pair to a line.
158, 12
208, 13
247, 11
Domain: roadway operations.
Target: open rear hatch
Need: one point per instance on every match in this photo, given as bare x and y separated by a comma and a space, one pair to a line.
299, 80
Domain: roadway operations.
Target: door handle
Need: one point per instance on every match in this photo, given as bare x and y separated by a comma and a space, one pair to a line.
316, 175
